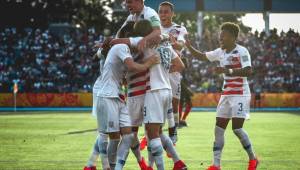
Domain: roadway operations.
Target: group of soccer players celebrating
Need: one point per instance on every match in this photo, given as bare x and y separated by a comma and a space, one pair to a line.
145, 57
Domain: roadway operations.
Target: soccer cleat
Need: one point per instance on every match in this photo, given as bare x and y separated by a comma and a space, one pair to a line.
214, 168
143, 143
90, 168
143, 165
253, 164
179, 165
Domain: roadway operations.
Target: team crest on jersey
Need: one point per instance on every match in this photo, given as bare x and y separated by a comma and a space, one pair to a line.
234, 59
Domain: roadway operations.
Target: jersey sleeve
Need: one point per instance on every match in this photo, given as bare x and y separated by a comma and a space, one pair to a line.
173, 54
123, 52
134, 41
213, 55
153, 17
245, 58
181, 35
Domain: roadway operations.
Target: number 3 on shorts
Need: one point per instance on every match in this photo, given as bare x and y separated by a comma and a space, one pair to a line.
241, 106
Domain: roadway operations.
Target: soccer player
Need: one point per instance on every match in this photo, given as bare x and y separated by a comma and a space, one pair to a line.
138, 11
234, 104
102, 138
176, 32
139, 89
113, 118
157, 104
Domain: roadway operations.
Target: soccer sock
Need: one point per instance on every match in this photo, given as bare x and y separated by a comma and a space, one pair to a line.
187, 111
169, 147
112, 152
171, 122
156, 151
123, 150
94, 155
150, 157
135, 147
102, 146
245, 141
218, 145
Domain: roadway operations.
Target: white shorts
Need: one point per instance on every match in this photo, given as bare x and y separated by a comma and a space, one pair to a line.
158, 104
135, 107
175, 79
234, 106
112, 115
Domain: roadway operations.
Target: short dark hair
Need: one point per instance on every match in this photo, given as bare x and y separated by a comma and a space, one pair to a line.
167, 3
127, 29
232, 28
142, 28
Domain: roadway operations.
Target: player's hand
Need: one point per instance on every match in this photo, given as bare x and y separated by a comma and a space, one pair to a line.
142, 44
220, 70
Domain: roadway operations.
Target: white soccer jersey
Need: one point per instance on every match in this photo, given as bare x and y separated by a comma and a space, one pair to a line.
159, 73
239, 57
114, 71
137, 81
147, 14
176, 30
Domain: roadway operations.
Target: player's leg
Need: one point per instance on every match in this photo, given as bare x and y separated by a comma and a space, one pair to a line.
172, 125
188, 107
135, 148
170, 149
154, 117
241, 107
127, 136
107, 119
222, 119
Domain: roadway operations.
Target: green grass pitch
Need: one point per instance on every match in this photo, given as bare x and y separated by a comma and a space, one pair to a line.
63, 141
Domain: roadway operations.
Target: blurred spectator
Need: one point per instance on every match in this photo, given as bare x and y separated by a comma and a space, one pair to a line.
43, 62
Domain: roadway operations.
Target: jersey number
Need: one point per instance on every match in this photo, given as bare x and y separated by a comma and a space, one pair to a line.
241, 107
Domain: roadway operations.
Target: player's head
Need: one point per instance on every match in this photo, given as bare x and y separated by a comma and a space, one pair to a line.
127, 30
142, 28
135, 6
166, 13
229, 34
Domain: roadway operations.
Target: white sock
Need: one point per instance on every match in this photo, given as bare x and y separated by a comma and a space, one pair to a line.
123, 150
102, 146
157, 151
176, 118
245, 141
171, 121
150, 157
112, 152
169, 147
218, 145
94, 155
135, 147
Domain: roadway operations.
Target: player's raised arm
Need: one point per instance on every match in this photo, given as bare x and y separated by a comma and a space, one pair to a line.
196, 53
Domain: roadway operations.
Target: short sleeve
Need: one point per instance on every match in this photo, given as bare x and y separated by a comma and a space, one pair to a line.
214, 55
123, 52
153, 17
134, 41
245, 58
173, 54
181, 35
